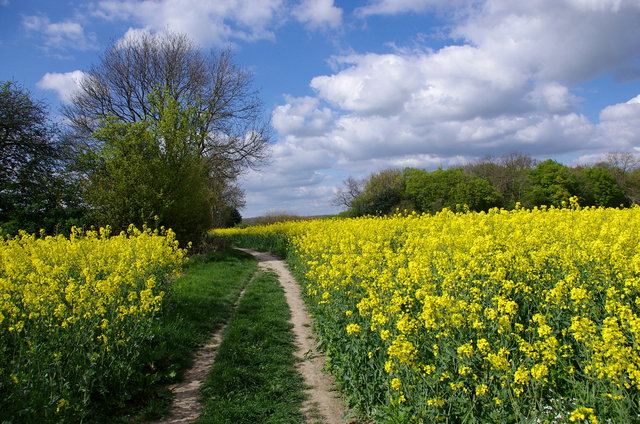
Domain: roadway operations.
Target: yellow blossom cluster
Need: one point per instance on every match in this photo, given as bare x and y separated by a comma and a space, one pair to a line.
73, 310
505, 316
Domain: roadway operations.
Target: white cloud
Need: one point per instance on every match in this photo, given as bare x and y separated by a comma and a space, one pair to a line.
568, 41
393, 7
207, 22
620, 125
302, 117
318, 14
507, 87
65, 84
373, 84
60, 35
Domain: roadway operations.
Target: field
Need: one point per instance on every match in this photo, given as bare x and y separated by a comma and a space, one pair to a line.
74, 315
94, 328
505, 317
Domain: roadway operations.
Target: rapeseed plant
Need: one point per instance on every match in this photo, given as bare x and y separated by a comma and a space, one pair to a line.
505, 316
73, 315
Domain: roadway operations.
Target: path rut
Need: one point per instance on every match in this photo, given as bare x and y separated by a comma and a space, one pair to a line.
322, 399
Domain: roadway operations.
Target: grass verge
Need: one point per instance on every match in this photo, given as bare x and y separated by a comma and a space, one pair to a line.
200, 302
254, 379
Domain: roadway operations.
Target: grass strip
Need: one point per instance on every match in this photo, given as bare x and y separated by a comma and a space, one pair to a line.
200, 302
254, 379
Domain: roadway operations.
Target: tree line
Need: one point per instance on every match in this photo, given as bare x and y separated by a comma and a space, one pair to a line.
504, 182
157, 135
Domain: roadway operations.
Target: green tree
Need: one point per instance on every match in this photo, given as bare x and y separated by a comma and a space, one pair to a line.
598, 187
35, 192
382, 193
509, 174
232, 135
451, 188
475, 193
150, 172
551, 184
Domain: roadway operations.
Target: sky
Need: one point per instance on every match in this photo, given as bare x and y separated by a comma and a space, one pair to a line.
355, 87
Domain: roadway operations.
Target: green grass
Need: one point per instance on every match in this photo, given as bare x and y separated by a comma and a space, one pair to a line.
200, 302
253, 379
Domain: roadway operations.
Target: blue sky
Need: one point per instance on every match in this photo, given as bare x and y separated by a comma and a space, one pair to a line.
353, 87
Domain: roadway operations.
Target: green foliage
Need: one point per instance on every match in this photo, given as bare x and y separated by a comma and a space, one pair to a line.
227, 217
35, 192
493, 182
451, 188
382, 194
552, 184
151, 172
599, 188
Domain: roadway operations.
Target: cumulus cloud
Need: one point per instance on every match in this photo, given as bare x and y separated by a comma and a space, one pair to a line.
567, 41
60, 35
208, 22
620, 125
508, 82
318, 14
302, 117
64, 84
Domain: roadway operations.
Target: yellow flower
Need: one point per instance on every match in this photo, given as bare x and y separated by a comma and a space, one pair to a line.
583, 413
481, 389
353, 329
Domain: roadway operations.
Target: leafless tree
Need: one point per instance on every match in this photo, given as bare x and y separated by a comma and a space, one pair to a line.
233, 134
625, 161
344, 196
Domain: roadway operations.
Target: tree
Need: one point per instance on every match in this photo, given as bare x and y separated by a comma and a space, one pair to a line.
383, 193
451, 188
509, 175
598, 187
345, 196
624, 166
34, 192
151, 171
625, 161
231, 134
552, 184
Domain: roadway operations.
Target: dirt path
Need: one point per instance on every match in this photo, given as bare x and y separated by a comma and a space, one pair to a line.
186, 407
323, 404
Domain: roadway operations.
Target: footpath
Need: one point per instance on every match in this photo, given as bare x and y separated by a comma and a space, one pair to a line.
322, 404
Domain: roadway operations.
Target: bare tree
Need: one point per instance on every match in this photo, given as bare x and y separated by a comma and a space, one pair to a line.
625, 161
344, 196
233, 134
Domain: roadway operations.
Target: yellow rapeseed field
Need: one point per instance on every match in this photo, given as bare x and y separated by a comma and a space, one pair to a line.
507, 316
73, 313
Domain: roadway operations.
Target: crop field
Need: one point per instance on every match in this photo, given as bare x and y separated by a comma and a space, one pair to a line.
74, 313
522, 316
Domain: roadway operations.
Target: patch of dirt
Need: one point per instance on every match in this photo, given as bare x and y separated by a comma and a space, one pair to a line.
323, 402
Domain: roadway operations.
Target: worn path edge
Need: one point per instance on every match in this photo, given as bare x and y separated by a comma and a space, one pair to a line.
322, 399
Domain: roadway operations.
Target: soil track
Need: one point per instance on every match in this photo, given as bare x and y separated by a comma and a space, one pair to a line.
323, 403
186, 407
